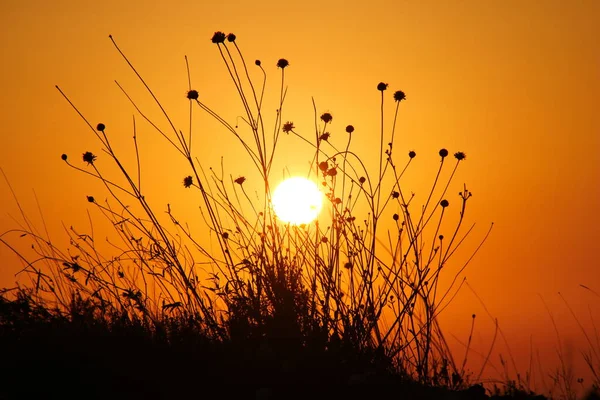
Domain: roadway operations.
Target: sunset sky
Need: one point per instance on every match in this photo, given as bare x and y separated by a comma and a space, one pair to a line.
514, 84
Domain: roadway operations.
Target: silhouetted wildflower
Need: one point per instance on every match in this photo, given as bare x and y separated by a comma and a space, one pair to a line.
399, 95
395, 217
395, 195
460, 156
443, 153
441, 237
63, 157
240, 180
89, 157
100, 127
282, 63
188, 181
349, 129
90, 199
323, 166
218, 37
362, 180
444, 203
326, 117
231, 37
257, 63
192, 95
324, 136
332, 172
288, 127
324, 239
382, 86
225, 235
348, 265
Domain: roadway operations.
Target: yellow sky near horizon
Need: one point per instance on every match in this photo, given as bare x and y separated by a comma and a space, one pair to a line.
513, 84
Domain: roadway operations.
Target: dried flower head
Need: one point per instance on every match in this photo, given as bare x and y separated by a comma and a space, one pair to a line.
399, 95
257, 63
362, 180
231, 37
395, 217
326, 117
441, 237
100, 127
90, 199
382, 86
188, 181
225, 235
395, 195
89, 157
324, 136
288, 127
348, 265
239, 180
218, 37
192, 95
332, 172
63, 157
460, 156
412, 154
324, 239
282, 63
444, 203
443, 153
323, 166
349, 129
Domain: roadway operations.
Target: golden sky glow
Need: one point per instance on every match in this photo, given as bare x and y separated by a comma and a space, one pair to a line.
513, 84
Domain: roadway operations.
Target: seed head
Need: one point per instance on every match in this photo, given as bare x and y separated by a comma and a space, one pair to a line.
257, 63
382, 86
444, 203
89, 157
349, 129
324, 136
326, 117
412, 154
231, 37
90, 199
399, 95
288, 127
323, 166
443, 153
362, 180
395, 195
218, 37
100, 127
192, 95
395, 217
225, 235
282, 63
240, 180
441, 237
460, 156
332, 172
324, 239
63, 157
188, 181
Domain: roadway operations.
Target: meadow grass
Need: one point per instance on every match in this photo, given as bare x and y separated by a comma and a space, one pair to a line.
253, 301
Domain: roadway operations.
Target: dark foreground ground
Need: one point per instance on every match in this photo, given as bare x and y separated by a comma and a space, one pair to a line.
43, 357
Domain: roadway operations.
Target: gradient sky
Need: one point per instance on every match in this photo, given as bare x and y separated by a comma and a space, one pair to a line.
514, 84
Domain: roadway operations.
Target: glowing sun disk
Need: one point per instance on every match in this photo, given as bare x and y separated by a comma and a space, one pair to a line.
297, 201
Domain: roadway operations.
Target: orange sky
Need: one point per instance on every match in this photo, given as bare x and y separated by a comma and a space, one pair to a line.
514, 84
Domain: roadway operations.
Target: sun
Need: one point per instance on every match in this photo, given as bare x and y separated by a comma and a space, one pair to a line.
297, 201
